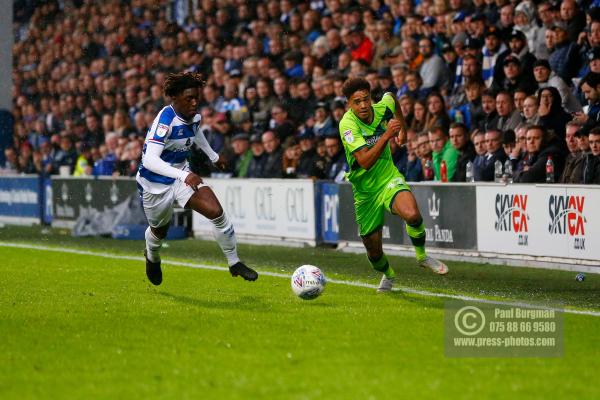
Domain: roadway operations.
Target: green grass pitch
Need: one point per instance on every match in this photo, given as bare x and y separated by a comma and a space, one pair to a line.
78, 326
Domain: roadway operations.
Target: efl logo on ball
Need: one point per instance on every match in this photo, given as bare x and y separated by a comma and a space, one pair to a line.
308, 282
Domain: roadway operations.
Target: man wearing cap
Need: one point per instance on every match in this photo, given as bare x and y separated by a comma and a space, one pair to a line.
477, 26
241, 157
592, 60
393, 56
310, 164
545, 77
518, 47
324, 124
564, 59
257, 162
433, 69
362, 47
491, 51
513, 77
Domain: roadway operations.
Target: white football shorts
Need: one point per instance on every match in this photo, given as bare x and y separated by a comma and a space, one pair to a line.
159, 207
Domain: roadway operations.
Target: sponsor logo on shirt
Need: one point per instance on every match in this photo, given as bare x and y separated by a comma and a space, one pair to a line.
161, 130
348, 136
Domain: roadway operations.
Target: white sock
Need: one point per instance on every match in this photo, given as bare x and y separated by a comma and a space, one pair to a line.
225, 236
152, 245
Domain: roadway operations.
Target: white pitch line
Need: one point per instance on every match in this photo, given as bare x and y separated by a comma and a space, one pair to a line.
287, 276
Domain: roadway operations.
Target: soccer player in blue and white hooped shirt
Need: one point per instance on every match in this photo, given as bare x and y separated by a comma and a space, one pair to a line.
164, 176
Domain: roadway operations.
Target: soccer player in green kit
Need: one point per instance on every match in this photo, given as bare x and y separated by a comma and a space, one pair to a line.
377, 185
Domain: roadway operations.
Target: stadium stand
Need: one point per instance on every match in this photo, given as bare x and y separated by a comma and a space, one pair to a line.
88, 77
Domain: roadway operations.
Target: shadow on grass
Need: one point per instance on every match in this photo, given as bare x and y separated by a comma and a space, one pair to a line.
249, 303
417, 299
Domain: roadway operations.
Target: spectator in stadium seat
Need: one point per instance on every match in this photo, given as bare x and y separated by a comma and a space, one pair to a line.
362, 46
564, 58
508, 141
413, 86
414, 168
575, 156
433, 69
420, 116
259, 157
324, 124
290, 157
424, 153
508, 117
519, 49
412, 58
590, 87
491, 51
469, 70
591, 163
239, 161
11, 162
530, 110
552, 116
525, 22
65, 156
490, 115
336, 165
518, 155
505, 22
514, 77
274, 155
540, 146
466, 151
485, 167
519, 96
310, 164
545, 77
442, 150
437, 115
471, 113
573, 18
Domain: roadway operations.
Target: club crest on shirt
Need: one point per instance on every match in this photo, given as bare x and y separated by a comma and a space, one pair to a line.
161, 130
348, 136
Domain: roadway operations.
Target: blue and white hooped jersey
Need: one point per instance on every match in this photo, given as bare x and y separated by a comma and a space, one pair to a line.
177, 136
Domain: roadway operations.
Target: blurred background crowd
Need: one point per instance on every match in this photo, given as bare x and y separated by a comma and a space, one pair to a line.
490, 89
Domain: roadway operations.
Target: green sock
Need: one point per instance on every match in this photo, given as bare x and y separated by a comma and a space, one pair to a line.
416, 233
382, 265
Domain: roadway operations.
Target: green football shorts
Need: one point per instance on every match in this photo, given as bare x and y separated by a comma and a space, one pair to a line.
370, 207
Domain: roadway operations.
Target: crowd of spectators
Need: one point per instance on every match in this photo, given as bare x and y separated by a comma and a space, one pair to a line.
481, 83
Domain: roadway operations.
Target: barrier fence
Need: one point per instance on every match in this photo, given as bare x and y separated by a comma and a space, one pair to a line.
530, 220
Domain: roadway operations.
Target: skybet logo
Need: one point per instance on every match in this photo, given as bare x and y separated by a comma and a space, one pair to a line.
567, 218
512, 216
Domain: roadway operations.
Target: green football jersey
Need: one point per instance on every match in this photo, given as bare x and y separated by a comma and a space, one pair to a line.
356, 135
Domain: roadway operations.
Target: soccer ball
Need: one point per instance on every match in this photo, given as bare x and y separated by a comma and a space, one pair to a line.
308, 282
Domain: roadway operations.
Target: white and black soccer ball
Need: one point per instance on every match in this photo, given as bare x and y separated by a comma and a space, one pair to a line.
308, 282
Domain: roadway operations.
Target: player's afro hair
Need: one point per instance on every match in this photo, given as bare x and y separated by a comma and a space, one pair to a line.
175, 83
353, 85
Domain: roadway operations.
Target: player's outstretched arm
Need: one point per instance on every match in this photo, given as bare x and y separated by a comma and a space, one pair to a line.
202, 143
367, 157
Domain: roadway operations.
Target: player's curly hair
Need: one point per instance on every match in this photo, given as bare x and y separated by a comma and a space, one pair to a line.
353, 85
175, 83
